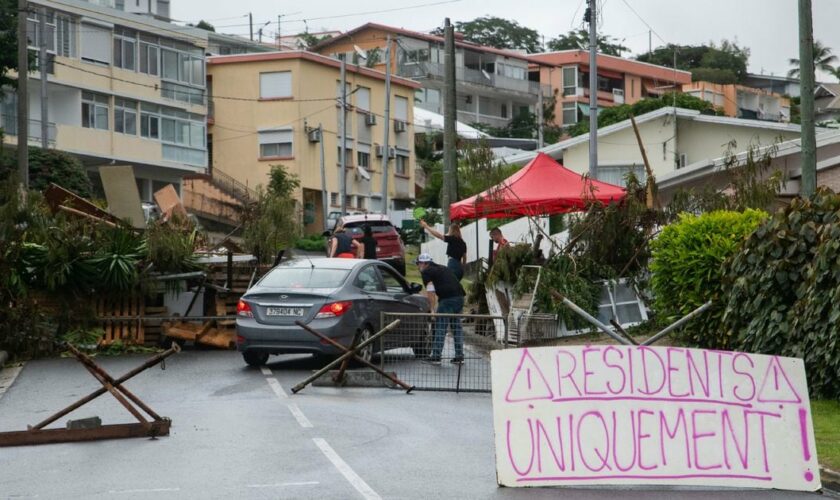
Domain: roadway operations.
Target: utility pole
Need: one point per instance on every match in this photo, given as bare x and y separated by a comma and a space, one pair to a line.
808, 184
449, 137
593, 91
259, 33
325, 203
650, 41
251, 25
342, 148
23, 97
42, 65
387, 127
279, 43
540, 118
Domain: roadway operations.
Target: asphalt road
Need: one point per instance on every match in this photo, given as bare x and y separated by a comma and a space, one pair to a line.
237, 433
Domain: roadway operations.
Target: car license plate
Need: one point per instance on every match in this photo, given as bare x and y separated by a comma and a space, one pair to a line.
284, 311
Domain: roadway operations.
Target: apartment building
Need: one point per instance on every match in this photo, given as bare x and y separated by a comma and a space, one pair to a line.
492, 85
155, 8
122, 89
740, 101
286, 112
620, 81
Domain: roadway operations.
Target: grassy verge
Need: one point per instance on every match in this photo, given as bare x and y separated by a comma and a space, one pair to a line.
826, 415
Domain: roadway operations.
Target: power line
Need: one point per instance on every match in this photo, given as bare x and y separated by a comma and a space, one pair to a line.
643, 21
352, 14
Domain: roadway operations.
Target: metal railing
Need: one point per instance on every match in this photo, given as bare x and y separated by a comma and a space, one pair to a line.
410, 351
8, 122
232, 186
463, 74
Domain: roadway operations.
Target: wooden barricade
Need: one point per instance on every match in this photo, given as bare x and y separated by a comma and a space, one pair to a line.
125, 330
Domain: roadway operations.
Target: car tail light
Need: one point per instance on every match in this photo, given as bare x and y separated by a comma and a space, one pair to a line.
244, 309
334, 309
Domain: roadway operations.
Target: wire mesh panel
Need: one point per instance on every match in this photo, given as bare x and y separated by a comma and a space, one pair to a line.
428, 351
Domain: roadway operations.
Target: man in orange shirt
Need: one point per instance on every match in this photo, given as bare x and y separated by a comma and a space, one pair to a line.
498, 238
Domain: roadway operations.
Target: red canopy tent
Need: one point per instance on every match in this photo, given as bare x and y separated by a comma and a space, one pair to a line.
542, 187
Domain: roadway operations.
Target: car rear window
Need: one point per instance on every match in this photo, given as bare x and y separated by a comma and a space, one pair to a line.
355, 228
304, 277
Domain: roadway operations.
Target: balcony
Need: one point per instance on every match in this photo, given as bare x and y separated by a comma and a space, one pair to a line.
493, 121
436, 71
8, 122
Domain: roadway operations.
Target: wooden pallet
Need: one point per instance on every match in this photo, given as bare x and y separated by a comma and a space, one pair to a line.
129, 332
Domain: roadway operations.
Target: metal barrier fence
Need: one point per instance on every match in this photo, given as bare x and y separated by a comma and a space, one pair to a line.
411, 353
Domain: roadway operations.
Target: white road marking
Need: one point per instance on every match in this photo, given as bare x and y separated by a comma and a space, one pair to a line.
277, 388
7, 378
147, 490
299, 416
283, 485
266, 371
345, 470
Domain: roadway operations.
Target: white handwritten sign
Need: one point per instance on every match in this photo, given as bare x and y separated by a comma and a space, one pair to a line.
652, 415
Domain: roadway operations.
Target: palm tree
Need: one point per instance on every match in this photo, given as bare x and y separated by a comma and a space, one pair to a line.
823, 58
835, 72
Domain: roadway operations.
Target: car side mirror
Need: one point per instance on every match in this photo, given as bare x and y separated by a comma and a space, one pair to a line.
415, 287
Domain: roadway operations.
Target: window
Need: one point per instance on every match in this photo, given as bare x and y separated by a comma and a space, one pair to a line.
276, 85
617, 175
125, 116
334, 199
620, 301
401, 164
33, 29
182, 93
169, 68
570, 81
94, 111
368, 280
276, 143
96, 43
304, 277
65, 36
360, 202
363, 98
363, 159
149, 121
392, 283
348, 155
149, 58
125, 49
569, 113
503, 113
401, 108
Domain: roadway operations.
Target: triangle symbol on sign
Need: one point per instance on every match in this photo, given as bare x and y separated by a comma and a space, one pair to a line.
776, 386
528, 383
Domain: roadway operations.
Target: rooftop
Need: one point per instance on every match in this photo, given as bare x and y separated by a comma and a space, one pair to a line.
614, 63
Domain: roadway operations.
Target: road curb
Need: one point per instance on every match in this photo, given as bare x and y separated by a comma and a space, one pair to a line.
4, 356
830, 479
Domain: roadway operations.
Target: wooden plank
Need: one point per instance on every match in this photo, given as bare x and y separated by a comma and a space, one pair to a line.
117, 431
224, 339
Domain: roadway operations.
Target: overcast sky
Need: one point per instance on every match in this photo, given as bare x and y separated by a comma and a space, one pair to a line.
768, 27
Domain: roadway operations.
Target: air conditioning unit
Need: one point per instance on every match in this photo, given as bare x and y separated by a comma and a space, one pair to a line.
399, 126
379, 151
370, 119
392, 153
683, 161
314, 135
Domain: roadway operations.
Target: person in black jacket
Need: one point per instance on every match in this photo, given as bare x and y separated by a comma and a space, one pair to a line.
450, 296
369, 243
456, 247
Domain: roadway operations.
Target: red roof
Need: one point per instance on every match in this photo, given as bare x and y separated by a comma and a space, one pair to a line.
422, 36
542, 187
618, 65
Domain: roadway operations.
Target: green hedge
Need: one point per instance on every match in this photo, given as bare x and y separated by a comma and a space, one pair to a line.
686, 270
786, 289
312, 243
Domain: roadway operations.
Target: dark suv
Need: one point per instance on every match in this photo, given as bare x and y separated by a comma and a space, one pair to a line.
389, 246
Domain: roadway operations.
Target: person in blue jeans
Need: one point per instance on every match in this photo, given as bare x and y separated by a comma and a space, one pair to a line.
450, 296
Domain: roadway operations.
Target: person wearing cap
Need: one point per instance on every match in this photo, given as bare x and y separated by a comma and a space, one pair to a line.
450, 295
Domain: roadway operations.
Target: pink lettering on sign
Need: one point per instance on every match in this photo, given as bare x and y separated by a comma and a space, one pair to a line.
632, 414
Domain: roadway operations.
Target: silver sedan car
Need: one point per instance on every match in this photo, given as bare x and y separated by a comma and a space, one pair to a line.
341, 298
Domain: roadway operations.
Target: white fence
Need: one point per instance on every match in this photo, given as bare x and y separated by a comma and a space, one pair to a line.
521, 230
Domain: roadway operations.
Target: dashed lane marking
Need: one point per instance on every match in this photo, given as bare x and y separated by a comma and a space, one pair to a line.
345, 470
299, 416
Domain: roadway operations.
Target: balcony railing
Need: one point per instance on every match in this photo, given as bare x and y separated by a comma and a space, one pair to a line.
8, 122
463, 74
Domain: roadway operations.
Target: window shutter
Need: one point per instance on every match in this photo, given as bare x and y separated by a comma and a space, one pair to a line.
275, 85
275, 136
96, 43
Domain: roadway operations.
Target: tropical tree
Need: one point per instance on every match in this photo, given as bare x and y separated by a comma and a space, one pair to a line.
579, 39
724, 63
835, 72
823, 59
499, 33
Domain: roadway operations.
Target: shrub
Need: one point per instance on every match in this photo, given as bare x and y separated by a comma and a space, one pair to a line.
50, 165
312, 243
686, 269
785, 284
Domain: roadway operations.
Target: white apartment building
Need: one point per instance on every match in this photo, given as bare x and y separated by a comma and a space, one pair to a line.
122, 89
